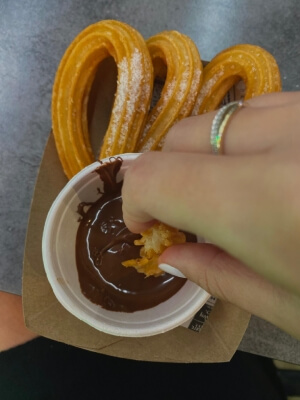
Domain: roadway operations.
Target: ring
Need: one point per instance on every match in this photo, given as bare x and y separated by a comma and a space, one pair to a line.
219, 124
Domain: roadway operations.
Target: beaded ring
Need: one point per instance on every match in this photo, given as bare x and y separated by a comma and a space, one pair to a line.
219, 124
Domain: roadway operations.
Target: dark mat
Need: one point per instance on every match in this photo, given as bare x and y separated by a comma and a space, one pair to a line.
45, 369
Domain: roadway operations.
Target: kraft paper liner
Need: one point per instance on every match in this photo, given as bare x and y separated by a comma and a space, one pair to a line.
220, 335
216, 342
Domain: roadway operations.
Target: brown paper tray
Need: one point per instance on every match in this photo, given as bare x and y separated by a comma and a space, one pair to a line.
216, 342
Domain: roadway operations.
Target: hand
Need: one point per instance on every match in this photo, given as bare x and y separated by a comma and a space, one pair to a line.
246, 202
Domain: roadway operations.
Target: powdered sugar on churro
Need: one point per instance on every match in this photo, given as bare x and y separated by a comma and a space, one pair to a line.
134, 89
192, 93
206, 90
131, 89
145, 94
167, 93
181, 92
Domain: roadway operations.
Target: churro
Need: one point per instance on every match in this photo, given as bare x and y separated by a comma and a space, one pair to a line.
176, 60
154, 241
73, 83
252, 64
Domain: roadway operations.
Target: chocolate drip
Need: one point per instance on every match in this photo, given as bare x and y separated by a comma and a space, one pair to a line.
103, 242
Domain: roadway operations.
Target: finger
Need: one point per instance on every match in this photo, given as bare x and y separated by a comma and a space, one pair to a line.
138, 223
274, 99
255, 128
226, 278
176, 187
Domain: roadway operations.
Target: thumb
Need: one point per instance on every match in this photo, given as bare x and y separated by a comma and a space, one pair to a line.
228, 279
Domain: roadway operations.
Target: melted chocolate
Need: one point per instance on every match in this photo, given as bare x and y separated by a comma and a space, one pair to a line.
103, 242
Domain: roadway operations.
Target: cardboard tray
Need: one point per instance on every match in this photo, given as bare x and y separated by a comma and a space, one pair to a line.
216, 342
221, 334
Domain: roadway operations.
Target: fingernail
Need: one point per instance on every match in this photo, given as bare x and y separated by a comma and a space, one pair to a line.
171, 270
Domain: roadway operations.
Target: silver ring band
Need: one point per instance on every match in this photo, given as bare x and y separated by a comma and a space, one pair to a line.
219, 125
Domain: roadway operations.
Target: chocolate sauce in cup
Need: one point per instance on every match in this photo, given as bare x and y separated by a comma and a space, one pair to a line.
103, 242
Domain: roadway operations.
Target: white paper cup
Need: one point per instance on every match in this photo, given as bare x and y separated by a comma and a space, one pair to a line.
58, 248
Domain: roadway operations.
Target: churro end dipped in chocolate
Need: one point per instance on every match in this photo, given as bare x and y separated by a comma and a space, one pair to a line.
154, 241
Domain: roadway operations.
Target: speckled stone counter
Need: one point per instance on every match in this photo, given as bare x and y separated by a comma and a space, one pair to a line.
33, 37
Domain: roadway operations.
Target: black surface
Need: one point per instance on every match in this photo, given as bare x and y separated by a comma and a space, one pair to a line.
44, 369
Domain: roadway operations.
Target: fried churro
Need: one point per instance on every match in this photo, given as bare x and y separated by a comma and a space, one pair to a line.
252, 64
73, 83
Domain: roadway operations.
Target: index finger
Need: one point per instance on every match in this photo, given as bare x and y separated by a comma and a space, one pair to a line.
203, 194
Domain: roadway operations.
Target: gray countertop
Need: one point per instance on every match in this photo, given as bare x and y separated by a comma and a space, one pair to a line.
33, 37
